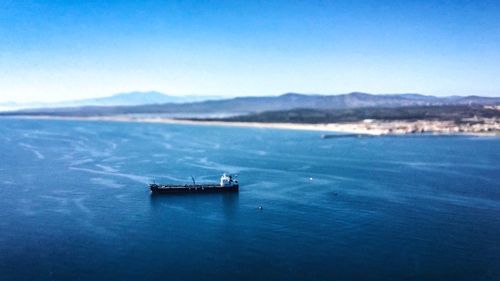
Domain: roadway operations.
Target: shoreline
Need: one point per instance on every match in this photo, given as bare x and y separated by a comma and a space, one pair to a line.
366, 127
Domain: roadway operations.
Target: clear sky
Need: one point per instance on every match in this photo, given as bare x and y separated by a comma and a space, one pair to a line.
61, 50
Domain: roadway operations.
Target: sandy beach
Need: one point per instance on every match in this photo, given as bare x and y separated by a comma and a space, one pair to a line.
488, 127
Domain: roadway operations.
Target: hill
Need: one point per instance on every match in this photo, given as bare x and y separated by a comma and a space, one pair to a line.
252, 105
456, 113
120, 99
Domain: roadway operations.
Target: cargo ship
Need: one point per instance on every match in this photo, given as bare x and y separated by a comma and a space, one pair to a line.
228, 183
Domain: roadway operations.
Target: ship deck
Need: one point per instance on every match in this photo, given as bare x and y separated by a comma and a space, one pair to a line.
191, 188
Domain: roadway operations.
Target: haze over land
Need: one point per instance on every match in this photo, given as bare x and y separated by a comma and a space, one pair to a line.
154, 103
129, 98
472, 114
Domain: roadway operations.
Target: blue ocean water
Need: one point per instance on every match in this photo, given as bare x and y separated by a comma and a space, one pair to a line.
74, 204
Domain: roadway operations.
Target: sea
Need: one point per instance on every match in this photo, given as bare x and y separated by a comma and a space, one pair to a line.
75, 204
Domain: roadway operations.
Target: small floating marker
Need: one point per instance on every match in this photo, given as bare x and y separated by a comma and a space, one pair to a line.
310, 179
260, 208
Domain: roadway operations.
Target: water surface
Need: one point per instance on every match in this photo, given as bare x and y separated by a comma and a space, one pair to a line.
74, 204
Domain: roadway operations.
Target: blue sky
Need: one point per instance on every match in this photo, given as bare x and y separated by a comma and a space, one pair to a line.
61, 50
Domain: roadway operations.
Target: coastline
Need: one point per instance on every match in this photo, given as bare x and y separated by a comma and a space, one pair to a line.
366, 127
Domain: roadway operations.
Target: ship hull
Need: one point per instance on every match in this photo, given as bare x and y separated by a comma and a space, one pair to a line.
162, 189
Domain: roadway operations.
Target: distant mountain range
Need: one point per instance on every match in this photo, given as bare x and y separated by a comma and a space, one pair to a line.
250, 105
129, 99
140, 98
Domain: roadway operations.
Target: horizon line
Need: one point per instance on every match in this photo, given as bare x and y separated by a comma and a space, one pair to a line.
5, 102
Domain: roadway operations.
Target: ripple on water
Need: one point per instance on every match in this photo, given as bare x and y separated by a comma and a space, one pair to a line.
136, 178
106, 182
31, 148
